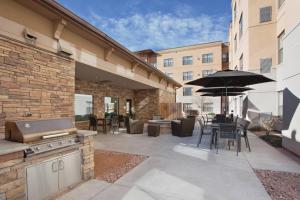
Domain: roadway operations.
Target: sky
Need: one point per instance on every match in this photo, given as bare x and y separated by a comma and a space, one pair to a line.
156, 24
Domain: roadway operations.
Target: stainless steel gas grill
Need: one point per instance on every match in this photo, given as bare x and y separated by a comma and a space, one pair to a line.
42, 135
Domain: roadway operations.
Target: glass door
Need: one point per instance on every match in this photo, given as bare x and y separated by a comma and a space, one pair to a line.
111, 106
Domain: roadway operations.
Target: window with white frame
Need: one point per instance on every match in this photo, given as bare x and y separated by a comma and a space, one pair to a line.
280, 47
208, 107
265, 65
83, 106
187, 91
168, 62
241, 25
187, 60
265, 14
225, 57
206, 72
187, 106
207, 58
186, 76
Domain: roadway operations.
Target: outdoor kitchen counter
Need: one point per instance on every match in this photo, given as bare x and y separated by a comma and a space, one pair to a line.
86, 133
7, 147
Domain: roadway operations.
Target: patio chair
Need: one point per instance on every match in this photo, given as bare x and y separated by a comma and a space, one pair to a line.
220, 118
115, 124
231, 132
208, 119
121, 121
205, 130
244, 124
183, 127
135, 127
93, 122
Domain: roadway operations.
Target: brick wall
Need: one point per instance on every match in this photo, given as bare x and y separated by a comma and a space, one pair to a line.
35, 81
99, 91
147, 102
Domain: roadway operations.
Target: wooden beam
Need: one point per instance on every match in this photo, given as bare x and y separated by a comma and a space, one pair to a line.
134, 65
58, 28
168, 84
107, 53
149, 74
161, 80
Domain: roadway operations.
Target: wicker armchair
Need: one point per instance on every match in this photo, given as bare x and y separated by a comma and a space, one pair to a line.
135, 127
184, 127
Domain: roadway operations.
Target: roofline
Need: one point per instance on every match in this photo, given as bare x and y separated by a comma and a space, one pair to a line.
193, 45
61, 10
145, 50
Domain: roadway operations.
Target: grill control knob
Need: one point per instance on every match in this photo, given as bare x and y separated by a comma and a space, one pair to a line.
37, 148
60, 142
50, 145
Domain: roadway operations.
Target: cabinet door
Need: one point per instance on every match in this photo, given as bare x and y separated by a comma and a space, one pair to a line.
69, 170
42, 180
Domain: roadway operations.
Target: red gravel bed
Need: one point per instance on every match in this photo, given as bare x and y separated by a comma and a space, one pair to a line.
110, 165
280, 185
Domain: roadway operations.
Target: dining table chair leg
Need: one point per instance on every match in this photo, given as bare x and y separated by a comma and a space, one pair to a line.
248, 145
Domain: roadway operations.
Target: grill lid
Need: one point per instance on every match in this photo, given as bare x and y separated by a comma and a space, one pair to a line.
33, 130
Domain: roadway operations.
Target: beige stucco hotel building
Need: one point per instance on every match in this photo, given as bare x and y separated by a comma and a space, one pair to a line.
264, 38
188, 63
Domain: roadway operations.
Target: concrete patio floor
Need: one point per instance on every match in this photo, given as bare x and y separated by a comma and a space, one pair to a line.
177, 169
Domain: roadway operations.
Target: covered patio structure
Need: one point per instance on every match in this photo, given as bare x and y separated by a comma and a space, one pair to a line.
117, 94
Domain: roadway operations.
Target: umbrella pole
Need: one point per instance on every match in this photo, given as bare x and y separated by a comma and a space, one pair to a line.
226, 106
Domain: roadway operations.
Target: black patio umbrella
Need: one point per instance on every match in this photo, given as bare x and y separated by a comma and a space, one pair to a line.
222, 94
227, 78
224, 89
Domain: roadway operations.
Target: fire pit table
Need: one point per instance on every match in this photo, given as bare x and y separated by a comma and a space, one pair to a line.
165, 125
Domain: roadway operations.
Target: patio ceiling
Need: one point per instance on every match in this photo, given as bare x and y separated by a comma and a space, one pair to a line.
89, 73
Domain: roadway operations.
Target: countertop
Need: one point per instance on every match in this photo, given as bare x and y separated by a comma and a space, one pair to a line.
7, 147
86, 133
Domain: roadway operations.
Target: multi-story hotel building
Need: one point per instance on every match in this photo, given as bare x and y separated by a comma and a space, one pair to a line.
188, 63
253, 47
264, 38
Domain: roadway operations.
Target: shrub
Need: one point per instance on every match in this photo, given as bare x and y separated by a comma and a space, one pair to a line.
269, 124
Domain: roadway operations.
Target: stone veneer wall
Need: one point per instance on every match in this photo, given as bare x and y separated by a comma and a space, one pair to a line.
87, 152
34, 80
12, 173
99, 91
147, 102
167, 96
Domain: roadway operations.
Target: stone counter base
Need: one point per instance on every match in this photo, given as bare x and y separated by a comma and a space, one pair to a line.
13, 167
